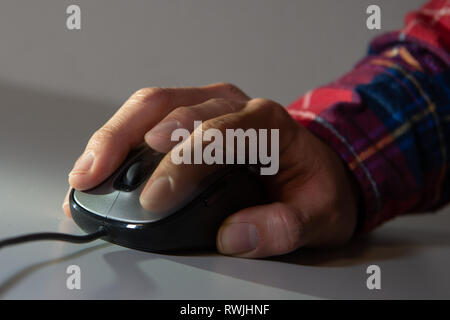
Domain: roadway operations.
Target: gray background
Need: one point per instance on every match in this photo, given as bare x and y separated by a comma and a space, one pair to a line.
58, 86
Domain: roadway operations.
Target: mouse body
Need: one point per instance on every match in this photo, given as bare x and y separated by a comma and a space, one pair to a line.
114, 204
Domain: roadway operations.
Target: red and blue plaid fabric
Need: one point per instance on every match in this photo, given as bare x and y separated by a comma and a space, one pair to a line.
389, 118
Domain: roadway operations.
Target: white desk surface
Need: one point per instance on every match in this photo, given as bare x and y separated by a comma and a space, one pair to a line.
38, 149
271, 49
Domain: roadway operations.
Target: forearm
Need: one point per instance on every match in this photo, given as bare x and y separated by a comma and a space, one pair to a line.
389, 118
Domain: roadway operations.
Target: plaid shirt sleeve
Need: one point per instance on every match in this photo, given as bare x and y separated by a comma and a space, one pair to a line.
389, 118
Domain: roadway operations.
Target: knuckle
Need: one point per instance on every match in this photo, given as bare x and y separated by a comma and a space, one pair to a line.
103, 136
230, 88
184, 115
227, 86
221, 124
217, 101
264, 105
146, 95
224, 103
270, 110
290, 226
211, 124
261, 101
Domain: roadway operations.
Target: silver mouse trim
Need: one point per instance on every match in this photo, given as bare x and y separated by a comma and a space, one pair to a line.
99, 204
119, 206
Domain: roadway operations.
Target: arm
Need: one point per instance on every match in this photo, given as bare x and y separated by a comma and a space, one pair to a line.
379, 131
389, 118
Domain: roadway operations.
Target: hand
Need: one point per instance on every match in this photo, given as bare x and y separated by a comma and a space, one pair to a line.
314, 196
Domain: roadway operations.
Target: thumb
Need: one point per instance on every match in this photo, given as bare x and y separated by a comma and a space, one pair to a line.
262, 231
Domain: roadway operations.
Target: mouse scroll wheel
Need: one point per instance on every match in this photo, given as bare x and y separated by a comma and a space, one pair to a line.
135, 174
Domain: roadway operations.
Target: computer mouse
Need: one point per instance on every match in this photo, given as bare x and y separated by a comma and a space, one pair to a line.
114, 205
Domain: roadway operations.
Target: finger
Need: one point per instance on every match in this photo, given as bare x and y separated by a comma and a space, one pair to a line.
65, 205
262, 231
159, 137
109, 145
173, 183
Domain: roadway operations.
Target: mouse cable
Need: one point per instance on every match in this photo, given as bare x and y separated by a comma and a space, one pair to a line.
54, 236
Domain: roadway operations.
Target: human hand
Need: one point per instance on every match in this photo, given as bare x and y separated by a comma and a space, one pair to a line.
314, 197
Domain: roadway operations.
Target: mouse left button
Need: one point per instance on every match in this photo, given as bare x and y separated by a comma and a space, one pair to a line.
98, 204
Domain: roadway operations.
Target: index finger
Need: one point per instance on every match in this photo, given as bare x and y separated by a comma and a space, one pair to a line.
109, 145
173, 183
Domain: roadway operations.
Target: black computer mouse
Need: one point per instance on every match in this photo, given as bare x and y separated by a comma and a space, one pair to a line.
114, 204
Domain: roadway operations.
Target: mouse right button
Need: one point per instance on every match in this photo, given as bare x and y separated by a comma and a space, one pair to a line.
95, 203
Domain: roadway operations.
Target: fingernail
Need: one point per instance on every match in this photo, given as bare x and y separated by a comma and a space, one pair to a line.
235, 238
163, 129
83, 164
154, 197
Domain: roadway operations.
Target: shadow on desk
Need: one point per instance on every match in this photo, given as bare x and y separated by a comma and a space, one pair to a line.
38, 126
50, 127
26, 271
382, 245
336, 274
